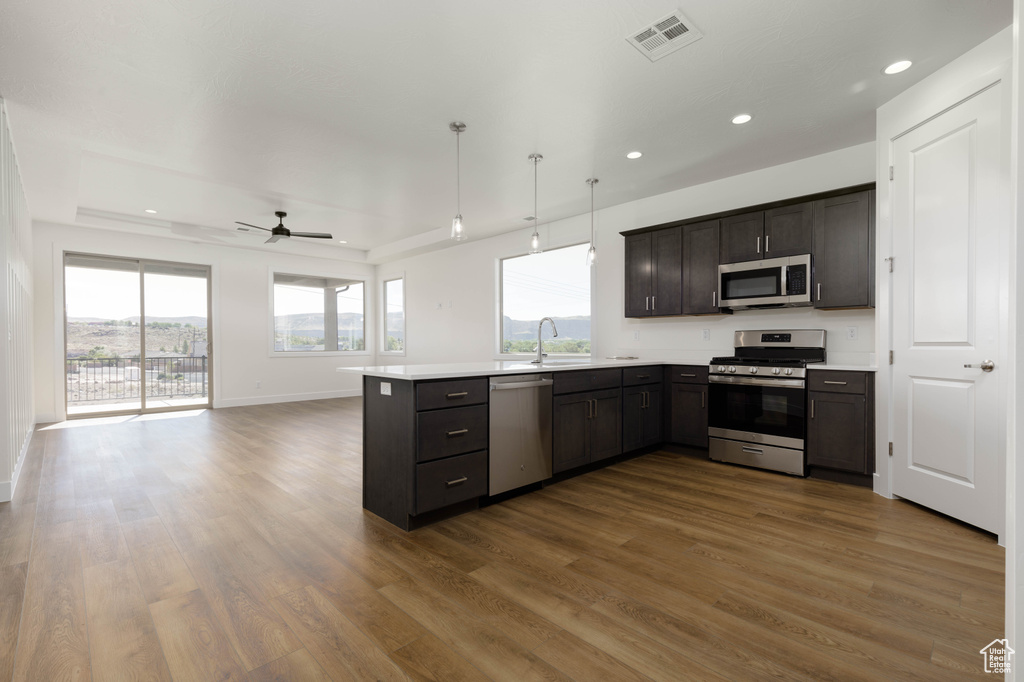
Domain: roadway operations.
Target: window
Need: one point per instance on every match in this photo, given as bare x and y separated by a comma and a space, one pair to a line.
318, 314
553, 284
394, 316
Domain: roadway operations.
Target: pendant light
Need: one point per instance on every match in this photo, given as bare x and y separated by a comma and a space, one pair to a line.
535, 237
592, 251
458, 234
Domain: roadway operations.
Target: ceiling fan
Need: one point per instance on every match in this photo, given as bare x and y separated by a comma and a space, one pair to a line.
281, 231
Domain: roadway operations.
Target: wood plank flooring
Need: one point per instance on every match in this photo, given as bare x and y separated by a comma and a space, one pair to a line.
231, 545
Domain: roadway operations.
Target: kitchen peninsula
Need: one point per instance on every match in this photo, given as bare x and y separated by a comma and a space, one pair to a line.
426, 428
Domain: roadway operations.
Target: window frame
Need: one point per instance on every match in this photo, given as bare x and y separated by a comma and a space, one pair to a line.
499, 334
382, 350
272, 323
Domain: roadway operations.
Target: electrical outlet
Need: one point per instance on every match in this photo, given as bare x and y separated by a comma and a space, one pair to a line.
259, 383
636, 336
705, 334
851, 333
385, 388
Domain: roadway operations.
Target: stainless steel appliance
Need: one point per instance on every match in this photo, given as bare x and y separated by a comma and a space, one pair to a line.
520, 431
758, 399
768, 283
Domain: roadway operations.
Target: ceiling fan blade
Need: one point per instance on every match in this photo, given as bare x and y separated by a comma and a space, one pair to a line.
273, 239
256, 226
312, 235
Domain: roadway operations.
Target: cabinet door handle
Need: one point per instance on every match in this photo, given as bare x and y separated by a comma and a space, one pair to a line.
812, 409
836, 383
714, 294
759, 245
595, 409
683, 374
460, 394
702, 396
457, 432
766, 243
654, 302
647, 400
819, 291
647, 302
455, 481
590, 409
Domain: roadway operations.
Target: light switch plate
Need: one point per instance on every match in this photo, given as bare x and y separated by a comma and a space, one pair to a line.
385, 388
705, 334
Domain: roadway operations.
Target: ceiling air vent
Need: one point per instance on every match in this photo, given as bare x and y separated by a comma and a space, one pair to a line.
664, 36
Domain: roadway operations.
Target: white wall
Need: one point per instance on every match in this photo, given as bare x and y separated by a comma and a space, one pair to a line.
16, 411
1015, 442
465, 275
240, 316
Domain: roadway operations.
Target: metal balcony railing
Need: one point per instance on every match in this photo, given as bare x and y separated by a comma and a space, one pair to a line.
91, 380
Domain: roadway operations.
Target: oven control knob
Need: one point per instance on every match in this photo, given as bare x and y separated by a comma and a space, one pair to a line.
732, 369
721, 369
753, 370
776, 370
789, 371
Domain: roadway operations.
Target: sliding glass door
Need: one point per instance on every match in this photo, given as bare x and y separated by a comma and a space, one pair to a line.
136, 335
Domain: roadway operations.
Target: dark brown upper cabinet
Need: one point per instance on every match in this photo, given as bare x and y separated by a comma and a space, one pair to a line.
788, 230
741, 237
777, 232
654, 271
844, 248
700, 268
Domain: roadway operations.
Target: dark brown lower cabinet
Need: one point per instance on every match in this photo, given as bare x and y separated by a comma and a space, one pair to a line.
641, 417
587, 427
841, 423
689, 415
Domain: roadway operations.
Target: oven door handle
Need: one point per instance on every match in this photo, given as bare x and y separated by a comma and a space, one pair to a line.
754, 381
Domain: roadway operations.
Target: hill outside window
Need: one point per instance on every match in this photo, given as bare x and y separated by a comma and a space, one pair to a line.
555, 284
318, 314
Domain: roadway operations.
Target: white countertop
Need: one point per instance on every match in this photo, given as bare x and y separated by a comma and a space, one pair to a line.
495, 368
498, 367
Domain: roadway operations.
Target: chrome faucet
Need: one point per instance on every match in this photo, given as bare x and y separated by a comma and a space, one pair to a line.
540, 345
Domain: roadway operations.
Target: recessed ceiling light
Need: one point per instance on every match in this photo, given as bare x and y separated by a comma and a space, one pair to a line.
634, 155
149, 210
742, 118
897, 67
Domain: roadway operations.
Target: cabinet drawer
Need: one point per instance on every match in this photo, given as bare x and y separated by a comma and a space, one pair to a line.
443, 433
688, 374
587, 380
447, 481
637, 376
837, 381
437, 394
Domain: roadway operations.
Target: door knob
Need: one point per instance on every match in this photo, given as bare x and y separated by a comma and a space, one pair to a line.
985, 366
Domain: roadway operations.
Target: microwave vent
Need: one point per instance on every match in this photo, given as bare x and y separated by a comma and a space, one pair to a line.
664, 36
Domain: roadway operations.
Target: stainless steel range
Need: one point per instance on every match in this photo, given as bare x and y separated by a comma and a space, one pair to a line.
758, 399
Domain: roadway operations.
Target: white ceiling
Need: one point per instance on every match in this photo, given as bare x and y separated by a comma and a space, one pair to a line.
337, 111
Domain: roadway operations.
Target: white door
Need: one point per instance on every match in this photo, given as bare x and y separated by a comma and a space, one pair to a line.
949, 207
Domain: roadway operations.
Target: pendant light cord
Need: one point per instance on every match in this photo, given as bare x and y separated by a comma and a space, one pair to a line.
535, 162
458, 173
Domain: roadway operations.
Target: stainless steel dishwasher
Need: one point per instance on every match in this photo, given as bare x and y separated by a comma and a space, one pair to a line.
520, 440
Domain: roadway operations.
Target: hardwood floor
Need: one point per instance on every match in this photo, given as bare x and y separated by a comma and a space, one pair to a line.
231, 545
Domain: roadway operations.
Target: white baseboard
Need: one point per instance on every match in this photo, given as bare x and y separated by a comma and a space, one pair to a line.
7, 488
287, 398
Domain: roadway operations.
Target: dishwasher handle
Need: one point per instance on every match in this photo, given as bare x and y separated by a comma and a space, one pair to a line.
522, 384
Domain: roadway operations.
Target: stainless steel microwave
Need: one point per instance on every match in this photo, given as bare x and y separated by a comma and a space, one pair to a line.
768, 283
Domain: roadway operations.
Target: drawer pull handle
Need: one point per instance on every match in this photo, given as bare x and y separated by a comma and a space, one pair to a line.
836, 383
703, 395
455, 481
643, 376
457, 432
461, 394
752, 451
812, 409
687, 375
